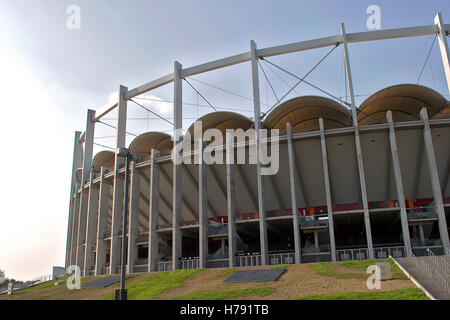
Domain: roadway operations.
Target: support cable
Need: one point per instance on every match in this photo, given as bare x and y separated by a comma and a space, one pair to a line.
300, 80
194, 104
200, 94
111, 126
152, 112
223, 89
103, 146
267, 79
426, 60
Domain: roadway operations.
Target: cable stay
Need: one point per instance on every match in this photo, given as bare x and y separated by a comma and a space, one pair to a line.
200, 94
267, 79
300, 80
195, 105
152, 112
223, 89
426, 60
111, 126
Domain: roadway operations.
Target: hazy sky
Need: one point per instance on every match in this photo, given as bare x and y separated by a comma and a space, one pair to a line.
50, 76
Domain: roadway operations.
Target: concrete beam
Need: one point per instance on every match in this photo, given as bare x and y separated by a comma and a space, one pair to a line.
103, 211
295, 222
231, 201
443, 46
91, 226
326, 177
118, 191
399, 184
133, 217
434, 177
203, 205
153, 236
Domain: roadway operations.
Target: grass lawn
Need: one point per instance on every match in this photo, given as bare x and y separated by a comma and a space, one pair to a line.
151, 288
226, 294
331, 268
400, 294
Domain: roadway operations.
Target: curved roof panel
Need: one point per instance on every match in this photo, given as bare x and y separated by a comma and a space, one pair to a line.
105, 159
222, 120
143, 144
303, 114
404, 100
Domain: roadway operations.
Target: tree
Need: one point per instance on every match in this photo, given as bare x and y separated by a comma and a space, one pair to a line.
2, 277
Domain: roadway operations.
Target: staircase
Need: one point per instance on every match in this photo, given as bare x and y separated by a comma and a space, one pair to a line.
431, 272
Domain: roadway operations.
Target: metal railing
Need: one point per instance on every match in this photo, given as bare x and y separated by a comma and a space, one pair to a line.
281, 258
325, 248
432, 274
427, 243
385, 252
439, 261
248, 261
190, 263
215, 230
352, 254
162, 266
313, 221
421, 213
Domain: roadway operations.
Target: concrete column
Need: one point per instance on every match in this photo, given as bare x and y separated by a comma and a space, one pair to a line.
133, 217
399, 184
434, 177
74, 235
259, 176
87, 164
203, 208
76, 163
91, 227
362, 178
422, 236
118, 195
326, 177
177, 172
316, 241
103, 211
295, 222
443, 45
231, 201
153, 236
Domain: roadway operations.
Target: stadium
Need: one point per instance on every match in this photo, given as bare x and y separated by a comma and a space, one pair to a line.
354, 181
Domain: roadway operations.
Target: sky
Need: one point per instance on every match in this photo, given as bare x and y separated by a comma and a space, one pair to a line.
50, 75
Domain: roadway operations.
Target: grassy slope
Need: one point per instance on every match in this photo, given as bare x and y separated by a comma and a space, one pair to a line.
400, 294
152, 287
332, 269
155, 285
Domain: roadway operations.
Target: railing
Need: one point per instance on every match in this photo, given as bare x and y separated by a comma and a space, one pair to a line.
385, 252
190, 263
325, 248
313, 221
427, 243
215, 230
439, 261
352, 254
421, 213
430, 274
164, 266
281, 258
107, 270
248, 261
